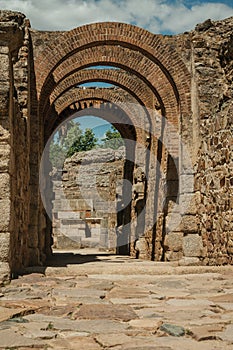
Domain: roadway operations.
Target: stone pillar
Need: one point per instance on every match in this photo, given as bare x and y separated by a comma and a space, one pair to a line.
14, 143
189, 201
5, 165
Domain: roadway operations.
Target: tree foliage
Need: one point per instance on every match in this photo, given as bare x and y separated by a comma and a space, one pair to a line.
112, 139
71, 139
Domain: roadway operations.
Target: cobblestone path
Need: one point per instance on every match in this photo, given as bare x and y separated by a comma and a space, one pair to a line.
92, 301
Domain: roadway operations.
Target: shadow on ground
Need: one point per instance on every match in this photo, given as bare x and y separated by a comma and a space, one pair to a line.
63, 259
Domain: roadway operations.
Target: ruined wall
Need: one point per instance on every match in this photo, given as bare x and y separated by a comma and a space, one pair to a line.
207, 52
201, 232
15, 142
213, 55
197, 96
19, 159
85, 201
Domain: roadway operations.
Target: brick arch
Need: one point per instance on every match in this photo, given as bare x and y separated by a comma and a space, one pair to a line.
112, 33
120, 98
124, 58
116, 116
117, 77
131, 85
126, 81
107, 94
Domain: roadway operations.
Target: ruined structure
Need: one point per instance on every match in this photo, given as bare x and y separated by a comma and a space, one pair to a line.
173, 106
85, 201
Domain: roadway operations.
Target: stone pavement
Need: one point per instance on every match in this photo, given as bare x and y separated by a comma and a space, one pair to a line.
92, 301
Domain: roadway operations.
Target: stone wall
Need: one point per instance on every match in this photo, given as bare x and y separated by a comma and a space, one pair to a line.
15, 142
206, 237
213, 55
19, 247
85, 201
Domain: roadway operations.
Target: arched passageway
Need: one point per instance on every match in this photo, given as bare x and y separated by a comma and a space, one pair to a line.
149, 103
151, 95
170, 96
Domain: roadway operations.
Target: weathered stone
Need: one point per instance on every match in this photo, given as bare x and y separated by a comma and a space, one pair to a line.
189, 223
6, 215
174, 241
173, 255
7, 313
76, 342
110, 340
128, 293
5, 157
186, 183
226, 335
207, 332
225, 298
189, 203
5, 186
5, 246
188, 261
204, 26
174, 330
192, 245
189, 302
11, 339
112, 312
146, 324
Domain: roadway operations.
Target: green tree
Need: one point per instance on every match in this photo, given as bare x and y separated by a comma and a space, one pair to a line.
85, 142
57, 155
70, 140
112, 139
73, 136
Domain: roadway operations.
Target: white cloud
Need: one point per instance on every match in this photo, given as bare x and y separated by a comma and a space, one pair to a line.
155, 15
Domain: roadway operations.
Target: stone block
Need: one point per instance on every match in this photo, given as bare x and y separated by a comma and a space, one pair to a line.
5, 217
5, 245
68, 215
4, 132
189, 223
95, 232
173, 222
103, 241
81, 204
188, 261
192, 245
64, 242
186, 166
174, 241
5, 158
122, 313
4, 272
186, 183
173, 256
188, 203
4, 186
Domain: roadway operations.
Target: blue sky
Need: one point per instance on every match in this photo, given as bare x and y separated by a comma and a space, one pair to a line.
98, 125
157, 16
